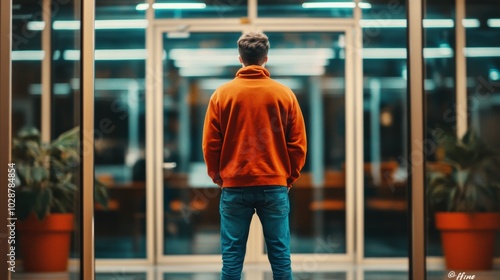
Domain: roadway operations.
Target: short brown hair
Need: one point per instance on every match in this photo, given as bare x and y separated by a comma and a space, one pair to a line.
253, 47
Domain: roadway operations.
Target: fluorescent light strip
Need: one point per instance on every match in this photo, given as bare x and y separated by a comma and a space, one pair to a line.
27, 55
121, 24
35, 25
427, 23
333, 5
66, 25
438, 23
59, 89
471, 23
171, 6
482, 52
381, 23
400, 53
99, 24
127, 54
438, 52
384, 53
494, 22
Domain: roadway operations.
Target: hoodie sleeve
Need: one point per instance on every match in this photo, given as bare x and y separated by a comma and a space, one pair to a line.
212, 141
296, 141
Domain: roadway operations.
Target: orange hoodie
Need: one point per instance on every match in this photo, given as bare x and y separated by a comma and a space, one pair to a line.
254, 132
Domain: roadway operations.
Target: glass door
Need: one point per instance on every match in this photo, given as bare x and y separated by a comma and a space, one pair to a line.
189, 67
313, 65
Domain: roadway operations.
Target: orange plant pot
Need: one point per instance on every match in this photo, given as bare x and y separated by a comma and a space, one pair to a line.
45, 244
468, 239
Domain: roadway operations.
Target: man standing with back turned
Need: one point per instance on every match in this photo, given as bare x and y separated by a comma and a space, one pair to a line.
254, 144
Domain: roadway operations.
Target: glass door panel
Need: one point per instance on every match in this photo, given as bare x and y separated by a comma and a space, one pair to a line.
194, 67
312, 64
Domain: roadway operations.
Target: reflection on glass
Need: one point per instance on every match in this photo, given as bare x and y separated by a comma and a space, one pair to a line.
483, 76
198, 9
440, 99
444, 108
27, 83
309, 9
385, 126
120, 160
194, 68
312, 65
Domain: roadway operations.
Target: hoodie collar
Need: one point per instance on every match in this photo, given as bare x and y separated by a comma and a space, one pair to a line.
253, 72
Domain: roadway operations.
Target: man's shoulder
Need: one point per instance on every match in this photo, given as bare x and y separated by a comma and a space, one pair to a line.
281, 86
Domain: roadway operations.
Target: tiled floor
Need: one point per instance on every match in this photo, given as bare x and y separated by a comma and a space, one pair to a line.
262, 272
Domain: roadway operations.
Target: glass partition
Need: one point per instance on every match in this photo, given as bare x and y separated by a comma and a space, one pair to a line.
483, 77
50, 104
120, 157
385, 130
462, 91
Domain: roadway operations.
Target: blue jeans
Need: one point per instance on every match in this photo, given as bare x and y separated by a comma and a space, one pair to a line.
237, 206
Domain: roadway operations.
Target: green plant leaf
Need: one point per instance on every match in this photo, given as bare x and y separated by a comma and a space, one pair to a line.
101, 194
25, 202
46, 172
39, 174
42, 204
452, 203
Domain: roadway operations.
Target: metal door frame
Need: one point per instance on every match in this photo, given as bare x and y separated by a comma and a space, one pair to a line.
354, 125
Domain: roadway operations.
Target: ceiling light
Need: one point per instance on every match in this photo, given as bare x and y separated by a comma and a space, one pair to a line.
482, 52
471, 23
171, 6
66, 25
400, 53
28, 55
333, 5
58, 89
124, 54
36, 25
385, 53
121, 24
438, 23
494, 22
99, 24
381, 23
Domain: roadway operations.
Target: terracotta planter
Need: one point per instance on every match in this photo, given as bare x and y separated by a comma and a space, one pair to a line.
45, 244
468, 239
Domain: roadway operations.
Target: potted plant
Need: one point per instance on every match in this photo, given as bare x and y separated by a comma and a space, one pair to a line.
46, 197
466, 202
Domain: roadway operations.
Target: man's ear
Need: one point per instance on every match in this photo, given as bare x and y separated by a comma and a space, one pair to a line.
267, 57
241, 60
